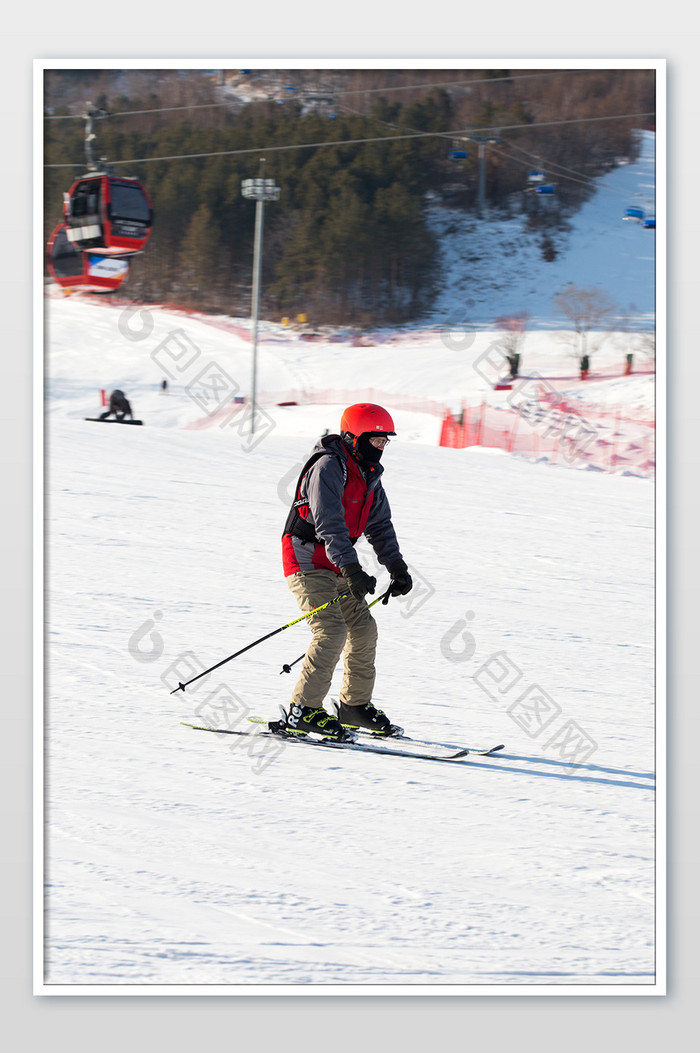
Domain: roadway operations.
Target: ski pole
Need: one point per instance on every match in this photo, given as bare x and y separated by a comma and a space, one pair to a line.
181, 687
287, 667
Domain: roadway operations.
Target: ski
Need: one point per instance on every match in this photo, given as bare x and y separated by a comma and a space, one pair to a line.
473, 750
277, 729
399, 735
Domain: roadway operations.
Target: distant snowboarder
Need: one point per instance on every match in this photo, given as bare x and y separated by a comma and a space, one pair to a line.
119, 406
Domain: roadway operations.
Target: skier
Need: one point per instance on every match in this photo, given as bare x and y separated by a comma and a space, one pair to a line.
339, 497
118, 405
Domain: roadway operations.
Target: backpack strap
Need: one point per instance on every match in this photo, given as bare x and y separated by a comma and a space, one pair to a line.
295, 523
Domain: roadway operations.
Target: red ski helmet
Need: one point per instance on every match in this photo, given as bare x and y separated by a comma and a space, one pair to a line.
366, 417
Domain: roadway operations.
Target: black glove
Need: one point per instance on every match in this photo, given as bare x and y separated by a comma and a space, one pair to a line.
401, 580
359, 582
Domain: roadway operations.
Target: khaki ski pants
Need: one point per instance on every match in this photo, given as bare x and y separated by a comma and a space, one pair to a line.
346, 628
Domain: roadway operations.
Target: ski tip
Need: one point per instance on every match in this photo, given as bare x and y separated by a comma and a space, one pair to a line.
479, 753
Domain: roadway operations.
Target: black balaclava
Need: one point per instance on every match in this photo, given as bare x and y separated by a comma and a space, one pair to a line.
368, 453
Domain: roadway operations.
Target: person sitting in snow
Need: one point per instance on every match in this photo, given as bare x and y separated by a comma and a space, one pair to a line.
339, 497
119, 405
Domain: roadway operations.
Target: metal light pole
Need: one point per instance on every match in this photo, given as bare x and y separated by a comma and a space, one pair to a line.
260, 190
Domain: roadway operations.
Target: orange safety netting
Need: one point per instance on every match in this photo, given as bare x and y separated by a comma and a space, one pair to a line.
604, 439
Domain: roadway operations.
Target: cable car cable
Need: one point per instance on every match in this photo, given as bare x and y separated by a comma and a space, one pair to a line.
374, 139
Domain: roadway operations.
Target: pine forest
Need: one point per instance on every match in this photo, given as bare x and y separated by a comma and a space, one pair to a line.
360, 157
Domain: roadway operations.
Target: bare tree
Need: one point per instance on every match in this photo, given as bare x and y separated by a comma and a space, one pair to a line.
511, 339
635, 341
587, 310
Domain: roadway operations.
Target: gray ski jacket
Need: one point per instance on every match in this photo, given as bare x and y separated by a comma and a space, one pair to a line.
337, 500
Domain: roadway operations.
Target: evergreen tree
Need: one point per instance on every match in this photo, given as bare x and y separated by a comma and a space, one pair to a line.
348, 241
200, 253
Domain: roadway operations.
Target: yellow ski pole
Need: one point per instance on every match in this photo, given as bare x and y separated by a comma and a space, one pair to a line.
181, 686
287, 667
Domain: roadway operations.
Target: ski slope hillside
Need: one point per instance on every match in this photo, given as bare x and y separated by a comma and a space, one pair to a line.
495, 266
97, 344
177, 858
492, 268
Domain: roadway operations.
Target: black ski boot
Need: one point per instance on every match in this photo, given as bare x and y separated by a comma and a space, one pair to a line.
303, 719
368, 717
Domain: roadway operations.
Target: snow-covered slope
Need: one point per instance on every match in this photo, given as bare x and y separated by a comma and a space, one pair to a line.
175, 857
495, 266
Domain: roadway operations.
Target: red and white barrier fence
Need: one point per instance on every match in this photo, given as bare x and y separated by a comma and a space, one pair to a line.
607, 440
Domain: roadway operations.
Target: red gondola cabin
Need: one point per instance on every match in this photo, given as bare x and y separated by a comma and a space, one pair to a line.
85, 271
112, 214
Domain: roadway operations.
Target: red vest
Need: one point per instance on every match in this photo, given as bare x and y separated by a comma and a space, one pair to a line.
301, 549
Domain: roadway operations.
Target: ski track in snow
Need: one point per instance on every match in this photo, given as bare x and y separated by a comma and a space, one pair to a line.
172, 859
176, 857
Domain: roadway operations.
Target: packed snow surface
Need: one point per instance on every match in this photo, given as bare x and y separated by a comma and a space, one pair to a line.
176, 858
